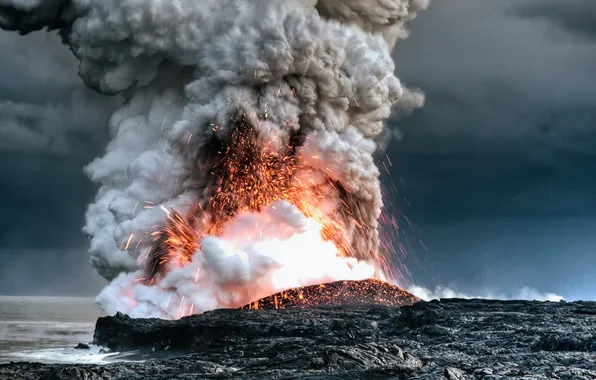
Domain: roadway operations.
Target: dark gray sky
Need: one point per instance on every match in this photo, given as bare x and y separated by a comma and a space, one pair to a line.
496, 171
500, 164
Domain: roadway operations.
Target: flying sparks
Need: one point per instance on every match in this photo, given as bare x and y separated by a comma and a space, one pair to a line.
200, 206
250, 171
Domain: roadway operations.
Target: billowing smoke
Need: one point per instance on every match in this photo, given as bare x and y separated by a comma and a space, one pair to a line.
286, 252
247, 133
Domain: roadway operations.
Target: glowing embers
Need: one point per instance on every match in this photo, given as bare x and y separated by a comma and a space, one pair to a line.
257, 254
364, 292
174, 244
250, 169
251, 172
248, 172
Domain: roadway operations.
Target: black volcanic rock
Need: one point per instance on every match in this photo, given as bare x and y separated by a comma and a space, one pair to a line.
122, 333
447, 339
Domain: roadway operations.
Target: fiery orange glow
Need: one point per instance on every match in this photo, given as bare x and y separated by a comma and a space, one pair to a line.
250, 172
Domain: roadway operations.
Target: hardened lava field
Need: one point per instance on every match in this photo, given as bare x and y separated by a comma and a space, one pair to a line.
353, 293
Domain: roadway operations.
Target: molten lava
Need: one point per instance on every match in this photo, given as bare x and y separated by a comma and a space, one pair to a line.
364, 292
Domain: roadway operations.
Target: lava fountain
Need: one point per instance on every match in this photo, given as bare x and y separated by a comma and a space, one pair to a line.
242, 159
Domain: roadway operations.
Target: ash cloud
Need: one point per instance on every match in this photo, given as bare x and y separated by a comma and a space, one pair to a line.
184, 67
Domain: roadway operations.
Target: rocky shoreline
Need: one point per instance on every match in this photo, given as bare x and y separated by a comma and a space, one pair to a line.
446, 339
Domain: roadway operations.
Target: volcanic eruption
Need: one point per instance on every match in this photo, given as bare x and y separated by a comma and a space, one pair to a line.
242, 160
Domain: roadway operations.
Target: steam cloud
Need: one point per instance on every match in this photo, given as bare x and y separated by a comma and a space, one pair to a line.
524, 293
315, 74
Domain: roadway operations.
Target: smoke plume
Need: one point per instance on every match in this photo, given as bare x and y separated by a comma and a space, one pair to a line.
224, 100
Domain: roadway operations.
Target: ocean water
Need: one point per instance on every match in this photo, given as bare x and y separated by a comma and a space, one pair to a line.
46, 329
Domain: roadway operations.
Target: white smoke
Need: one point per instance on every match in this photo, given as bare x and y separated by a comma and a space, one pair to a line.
318, 69
524, 293
258, 254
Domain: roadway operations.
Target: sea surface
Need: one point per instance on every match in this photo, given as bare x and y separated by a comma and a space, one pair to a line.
46, 329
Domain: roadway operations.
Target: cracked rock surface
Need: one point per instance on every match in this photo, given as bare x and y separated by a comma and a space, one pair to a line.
447, 339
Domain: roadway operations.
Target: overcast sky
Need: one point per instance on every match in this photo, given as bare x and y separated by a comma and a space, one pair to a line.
496, 172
